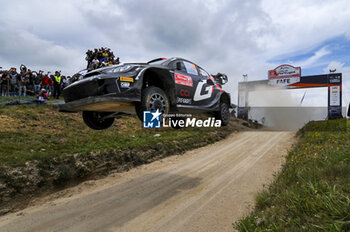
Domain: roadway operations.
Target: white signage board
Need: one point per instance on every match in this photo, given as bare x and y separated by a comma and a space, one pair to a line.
284, 75
284, 81
334, 96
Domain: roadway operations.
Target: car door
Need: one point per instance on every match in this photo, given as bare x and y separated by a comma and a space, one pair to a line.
186, 80
205, 92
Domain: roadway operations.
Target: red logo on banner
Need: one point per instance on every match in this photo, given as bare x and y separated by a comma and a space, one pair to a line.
285, 71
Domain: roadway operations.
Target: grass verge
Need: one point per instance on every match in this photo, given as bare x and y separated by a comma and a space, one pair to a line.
39, 133
41, 148
312, 192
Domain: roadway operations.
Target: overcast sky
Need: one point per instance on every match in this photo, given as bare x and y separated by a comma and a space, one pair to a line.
233, 37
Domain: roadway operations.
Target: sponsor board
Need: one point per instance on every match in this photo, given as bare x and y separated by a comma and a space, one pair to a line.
334, 96
285, 71
284, 81
284, 75
334, 79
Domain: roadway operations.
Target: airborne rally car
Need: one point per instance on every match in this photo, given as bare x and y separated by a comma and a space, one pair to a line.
171, 85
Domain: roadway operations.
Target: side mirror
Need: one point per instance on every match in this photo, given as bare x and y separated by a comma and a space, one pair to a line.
178, 66
210, 82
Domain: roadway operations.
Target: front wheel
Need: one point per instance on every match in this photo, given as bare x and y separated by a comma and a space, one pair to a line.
224, 114
97, 120
153, 99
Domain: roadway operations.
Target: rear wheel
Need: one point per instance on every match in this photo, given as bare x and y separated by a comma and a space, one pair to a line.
97, 120
153, 99
224, 114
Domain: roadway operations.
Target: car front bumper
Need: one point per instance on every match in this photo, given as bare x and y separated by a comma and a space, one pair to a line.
100, 104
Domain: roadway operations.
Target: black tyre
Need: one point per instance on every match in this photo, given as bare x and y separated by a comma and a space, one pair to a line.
153, 98
224, 114
95, 120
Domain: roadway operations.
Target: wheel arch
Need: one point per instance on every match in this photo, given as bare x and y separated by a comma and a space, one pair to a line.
162, 79
225, 97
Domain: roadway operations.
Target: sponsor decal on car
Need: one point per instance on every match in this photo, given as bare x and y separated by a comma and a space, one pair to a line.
183, 80
203, 87
125, 84
129, 79
184, 93
183, 100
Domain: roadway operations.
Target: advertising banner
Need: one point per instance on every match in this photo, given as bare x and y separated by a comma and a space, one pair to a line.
334, 96
284, 75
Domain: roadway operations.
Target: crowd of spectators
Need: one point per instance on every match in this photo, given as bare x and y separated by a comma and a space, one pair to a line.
101, 57
28, 82
37, 83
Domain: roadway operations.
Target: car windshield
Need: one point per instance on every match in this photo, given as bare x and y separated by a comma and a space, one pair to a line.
159, 61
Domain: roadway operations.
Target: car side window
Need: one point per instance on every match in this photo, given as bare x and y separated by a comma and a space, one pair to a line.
183, 68
203, 73
191, 68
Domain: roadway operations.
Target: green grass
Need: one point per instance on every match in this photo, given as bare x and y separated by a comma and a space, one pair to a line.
312, 192
39, 132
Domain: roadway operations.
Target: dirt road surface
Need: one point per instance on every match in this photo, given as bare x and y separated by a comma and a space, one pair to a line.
202, 190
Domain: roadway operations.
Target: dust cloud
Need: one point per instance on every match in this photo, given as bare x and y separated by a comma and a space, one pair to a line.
280, 109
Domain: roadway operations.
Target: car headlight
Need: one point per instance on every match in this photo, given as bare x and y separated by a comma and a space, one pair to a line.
123, 68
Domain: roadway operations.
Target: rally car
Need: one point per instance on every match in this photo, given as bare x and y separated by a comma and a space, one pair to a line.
171, 85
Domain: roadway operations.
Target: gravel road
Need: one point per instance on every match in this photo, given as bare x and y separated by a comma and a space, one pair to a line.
206, 189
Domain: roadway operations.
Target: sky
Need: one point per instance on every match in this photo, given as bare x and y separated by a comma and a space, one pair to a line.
229, 36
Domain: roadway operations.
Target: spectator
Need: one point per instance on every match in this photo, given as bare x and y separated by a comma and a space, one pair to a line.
5, 83
69, 78
100, 57
65, 81
42, 96
99, 54
13, 82
23, 81
104, 63
117, 61
37, 81
89, 58
57, 85
23, 69
95, 63
105, 56
110, 61
51, 84
29, 82
45, 82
